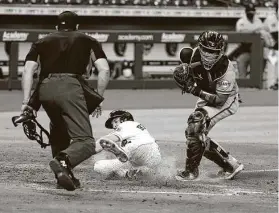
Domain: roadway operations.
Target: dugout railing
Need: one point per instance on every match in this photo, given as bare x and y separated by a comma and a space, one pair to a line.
138, 38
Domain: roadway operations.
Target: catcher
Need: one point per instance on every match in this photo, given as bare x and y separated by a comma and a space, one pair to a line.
206, 72
136, 150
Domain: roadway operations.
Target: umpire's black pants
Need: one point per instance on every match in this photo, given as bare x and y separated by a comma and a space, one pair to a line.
63, 100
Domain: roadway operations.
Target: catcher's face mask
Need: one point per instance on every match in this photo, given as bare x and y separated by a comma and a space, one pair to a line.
209, 56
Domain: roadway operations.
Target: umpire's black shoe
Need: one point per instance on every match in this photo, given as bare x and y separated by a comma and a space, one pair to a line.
63, 174
76, 182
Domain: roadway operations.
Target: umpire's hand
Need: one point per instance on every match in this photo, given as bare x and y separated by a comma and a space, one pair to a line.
98, 111
25, 107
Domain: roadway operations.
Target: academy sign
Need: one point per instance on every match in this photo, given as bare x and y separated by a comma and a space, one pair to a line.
133, 37
101, 37
14, 36
173, 37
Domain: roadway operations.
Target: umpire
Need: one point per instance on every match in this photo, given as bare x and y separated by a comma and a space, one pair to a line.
63, 58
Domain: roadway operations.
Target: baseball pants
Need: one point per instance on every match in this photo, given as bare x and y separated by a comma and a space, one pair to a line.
146, 157
217, 114
63, 100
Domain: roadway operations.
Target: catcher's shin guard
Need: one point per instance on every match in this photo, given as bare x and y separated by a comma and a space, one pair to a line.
195, 135
218, 155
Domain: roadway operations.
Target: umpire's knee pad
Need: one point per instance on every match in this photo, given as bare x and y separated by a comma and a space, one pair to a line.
198, 123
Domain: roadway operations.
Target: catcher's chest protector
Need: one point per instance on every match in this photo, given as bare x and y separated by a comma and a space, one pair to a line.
206, 80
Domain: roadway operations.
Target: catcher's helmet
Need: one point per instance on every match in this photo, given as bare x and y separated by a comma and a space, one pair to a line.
122, 114
211, 47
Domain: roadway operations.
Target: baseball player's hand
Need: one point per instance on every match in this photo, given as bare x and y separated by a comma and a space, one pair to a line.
192, 88
25, 107
98, 111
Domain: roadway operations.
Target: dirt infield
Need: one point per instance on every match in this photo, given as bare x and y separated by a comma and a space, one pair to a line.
27, 184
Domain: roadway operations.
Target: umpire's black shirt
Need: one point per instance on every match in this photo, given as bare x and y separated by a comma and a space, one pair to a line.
65, 52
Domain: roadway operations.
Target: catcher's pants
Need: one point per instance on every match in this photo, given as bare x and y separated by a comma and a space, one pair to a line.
63, 100
219, 113
145, 157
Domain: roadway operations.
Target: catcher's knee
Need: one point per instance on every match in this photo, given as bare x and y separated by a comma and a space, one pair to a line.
198, 123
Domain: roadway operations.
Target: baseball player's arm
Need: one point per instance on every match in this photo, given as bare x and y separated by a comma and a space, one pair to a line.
27, 79
104, 74
99, 59
31, 65
214, 99
224, 87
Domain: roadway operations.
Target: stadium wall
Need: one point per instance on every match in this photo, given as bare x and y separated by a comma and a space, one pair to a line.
139, 39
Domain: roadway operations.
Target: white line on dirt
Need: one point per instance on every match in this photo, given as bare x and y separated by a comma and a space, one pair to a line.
159, 192
232, 192
260, 170
227, 193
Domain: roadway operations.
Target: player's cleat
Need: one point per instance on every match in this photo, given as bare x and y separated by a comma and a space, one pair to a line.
110, 146
63, 174
230, 175
187, 176
133, 174
237, 170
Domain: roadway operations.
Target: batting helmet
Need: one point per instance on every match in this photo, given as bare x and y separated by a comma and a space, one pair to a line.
122, 114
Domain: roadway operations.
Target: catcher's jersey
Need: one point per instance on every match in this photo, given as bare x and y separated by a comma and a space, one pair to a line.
132, 135
220, 79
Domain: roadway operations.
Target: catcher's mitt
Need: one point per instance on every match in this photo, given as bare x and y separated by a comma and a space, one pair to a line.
183, 77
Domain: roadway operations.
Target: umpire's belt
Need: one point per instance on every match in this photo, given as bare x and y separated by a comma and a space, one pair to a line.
63, 75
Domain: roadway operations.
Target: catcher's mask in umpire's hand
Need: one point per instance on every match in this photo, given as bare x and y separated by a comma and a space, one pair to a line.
29, 122
122, 114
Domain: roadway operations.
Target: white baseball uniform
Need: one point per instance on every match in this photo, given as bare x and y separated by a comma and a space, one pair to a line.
142, 150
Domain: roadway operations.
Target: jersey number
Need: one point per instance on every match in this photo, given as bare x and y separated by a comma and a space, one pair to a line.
141, 127
125, 142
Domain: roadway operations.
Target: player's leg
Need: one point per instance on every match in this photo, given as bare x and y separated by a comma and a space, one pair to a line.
195, 133
71, 105
145, 160
214, 151
230, 166
108, 168
146, 155
58, 138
